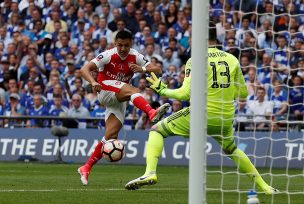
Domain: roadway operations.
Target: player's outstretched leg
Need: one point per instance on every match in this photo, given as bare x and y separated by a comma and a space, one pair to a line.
154, 115
245, 165
154, 149
84, 170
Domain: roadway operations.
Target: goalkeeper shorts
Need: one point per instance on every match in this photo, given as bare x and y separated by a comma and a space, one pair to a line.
179, 124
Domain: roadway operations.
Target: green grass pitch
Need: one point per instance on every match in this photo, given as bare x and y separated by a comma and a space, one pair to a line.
32, 183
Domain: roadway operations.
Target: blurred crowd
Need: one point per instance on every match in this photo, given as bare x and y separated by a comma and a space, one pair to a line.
44, 43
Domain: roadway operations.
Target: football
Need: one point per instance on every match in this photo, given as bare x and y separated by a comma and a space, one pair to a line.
113, 150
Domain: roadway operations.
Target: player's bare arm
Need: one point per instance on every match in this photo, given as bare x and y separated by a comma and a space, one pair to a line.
86, 74
149, 68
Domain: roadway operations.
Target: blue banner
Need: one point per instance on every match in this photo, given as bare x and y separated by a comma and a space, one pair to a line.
279, 150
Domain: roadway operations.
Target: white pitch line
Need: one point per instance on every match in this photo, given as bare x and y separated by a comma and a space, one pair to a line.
81, 189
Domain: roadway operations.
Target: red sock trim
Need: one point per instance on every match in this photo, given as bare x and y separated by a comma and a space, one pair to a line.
96, 155
142, 104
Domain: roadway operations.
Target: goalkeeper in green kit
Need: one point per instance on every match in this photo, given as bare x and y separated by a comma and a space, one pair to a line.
225, 83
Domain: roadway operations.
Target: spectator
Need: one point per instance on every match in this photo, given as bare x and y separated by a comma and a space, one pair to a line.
140, 37
252, 82
89, 10
184, 34
78, 111
171, 74
240, 33
53, 79
150, 52
266, 13
47, 46
174, 45
58, 90
50, 26
98, 112
57, 109
232, 48
281, 57
14, 109
157, 47
188, 12
4, 36
163, 7
245, 63
5, 69
278, 96
171, 15
148, 15
185, 53
266, 41
38, 109
35, 76
12, 84
157, 19
296, 98
69, 77
106, 13
129, 17
92, 98
37, 90
264, 69
121, 25
103, 31
161, 36
77, 33
261, 110
170, 60
112, 25
176, 106
241, 116
13, 24
64, 49
221, 27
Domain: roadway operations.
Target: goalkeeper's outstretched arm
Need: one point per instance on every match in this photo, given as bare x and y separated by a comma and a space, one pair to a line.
182, 93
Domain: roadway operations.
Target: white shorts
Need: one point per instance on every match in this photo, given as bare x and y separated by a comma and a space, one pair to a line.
109, 100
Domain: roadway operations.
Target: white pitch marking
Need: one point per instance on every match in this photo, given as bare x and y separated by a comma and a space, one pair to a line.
82, 189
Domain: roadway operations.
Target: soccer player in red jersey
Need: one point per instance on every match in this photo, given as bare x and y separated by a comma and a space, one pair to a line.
115, 69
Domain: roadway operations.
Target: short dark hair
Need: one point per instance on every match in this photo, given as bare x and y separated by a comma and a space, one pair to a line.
57, 96
124, 35
212, 31
261, 88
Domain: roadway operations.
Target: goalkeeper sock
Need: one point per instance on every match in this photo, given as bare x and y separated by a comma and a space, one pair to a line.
244, 164
154, 150
96, 155
139, 101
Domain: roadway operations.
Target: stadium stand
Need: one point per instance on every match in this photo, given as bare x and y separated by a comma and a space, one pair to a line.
43, 44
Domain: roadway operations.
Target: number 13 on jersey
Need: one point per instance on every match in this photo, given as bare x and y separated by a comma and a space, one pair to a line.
224, 74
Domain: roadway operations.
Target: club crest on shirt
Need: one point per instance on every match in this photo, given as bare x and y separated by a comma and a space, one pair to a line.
121, 66
188, 72
99, 57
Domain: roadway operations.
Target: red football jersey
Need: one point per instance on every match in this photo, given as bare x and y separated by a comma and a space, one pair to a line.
112, 67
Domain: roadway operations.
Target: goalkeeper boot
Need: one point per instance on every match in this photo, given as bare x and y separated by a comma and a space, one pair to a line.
84, 172
141, 181
159, 113
270, 190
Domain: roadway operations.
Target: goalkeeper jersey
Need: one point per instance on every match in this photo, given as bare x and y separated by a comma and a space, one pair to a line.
225, 83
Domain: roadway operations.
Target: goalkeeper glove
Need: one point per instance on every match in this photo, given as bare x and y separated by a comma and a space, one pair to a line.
156, 84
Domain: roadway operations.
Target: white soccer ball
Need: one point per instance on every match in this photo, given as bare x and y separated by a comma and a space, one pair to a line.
113, 150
